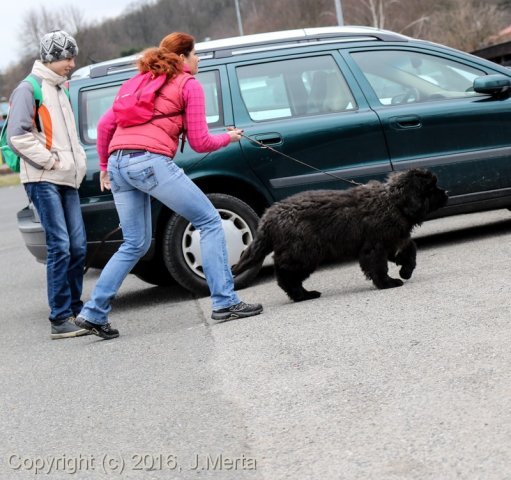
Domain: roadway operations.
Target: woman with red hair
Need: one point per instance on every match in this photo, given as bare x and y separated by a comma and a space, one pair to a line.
136, 163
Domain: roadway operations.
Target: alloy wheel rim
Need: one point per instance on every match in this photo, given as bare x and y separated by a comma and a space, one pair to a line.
237, 238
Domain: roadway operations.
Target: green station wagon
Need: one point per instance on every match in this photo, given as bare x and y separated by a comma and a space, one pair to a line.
354, 102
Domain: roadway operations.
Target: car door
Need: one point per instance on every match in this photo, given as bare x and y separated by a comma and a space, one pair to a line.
432, 118
306, 108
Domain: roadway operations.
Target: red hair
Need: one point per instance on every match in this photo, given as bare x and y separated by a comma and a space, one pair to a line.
165, 59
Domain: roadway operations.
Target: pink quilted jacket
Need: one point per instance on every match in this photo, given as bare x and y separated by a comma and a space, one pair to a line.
182, 93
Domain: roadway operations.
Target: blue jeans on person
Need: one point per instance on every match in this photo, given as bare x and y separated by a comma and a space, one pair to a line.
58, 207
134, 178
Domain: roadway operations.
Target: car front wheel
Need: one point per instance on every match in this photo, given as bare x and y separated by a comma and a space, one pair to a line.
181, 243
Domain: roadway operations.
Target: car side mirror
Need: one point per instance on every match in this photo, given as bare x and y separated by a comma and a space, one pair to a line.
493, 85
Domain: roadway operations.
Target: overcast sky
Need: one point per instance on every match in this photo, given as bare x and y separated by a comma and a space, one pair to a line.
13, 12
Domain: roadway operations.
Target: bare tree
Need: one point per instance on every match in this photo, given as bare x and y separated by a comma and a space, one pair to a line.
269, 15
467, 24
74, 20
405, 16
464, 24
39, 21
376, 11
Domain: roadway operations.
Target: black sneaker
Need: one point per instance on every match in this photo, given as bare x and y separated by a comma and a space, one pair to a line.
103, 331
239, 310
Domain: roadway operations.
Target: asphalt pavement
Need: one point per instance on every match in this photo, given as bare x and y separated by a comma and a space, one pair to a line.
408, 383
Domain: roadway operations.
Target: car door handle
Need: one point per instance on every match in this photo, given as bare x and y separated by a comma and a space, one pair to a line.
407, 121
269, 138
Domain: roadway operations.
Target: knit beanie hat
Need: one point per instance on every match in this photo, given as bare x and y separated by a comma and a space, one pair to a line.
57, 45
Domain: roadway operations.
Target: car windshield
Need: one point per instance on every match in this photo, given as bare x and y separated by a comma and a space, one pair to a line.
392, 73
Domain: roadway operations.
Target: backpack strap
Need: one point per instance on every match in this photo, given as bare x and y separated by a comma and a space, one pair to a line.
38, 97
182, 83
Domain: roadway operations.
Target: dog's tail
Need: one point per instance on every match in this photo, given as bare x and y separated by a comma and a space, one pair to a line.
255, 253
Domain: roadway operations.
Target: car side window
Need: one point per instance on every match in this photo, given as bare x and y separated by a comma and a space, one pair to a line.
402, 76
292, 88
95, 102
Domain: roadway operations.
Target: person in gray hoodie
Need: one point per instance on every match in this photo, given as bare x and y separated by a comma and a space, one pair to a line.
52, 166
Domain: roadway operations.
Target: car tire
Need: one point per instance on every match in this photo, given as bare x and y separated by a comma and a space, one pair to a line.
181, 247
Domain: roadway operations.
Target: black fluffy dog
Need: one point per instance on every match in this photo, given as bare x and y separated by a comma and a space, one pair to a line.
371, 223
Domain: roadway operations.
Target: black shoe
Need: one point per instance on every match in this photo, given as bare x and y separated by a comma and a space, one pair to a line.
239, 310
103, 331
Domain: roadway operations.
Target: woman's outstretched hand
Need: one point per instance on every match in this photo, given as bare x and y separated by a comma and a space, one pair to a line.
234, 133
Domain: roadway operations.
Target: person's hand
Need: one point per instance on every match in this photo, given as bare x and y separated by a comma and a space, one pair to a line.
234, 133
104, 181
56, 165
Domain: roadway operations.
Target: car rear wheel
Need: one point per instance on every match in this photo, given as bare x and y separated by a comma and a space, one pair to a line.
181, 243
154, 272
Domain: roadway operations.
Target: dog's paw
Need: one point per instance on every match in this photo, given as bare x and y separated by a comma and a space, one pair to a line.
406, 272
307, 295
311, 294
389, 282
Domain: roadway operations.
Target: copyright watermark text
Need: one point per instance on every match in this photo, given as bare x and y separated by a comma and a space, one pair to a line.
118, 463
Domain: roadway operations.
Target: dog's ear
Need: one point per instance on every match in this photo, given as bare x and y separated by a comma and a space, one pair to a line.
409, 188
415, 208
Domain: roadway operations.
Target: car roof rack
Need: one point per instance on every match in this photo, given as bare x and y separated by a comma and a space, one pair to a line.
227, 47
114, 66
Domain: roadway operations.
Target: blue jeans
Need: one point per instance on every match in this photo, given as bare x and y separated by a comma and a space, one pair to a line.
58, 207
134, 179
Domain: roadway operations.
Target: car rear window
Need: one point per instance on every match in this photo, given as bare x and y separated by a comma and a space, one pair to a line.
94, 102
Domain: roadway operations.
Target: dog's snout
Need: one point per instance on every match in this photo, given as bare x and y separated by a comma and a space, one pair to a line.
443, 198
442, 191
